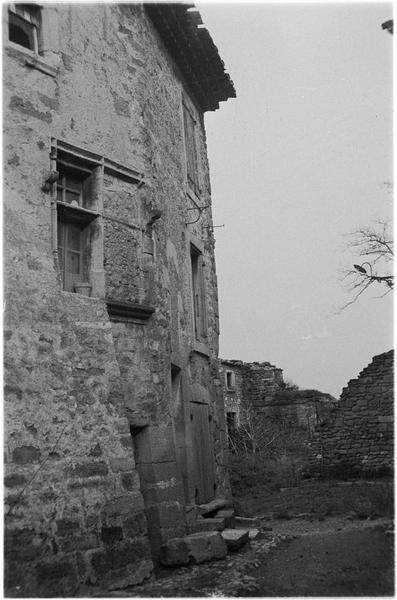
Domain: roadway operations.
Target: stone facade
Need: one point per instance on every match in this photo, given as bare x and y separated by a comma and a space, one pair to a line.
248, 384
109, 378
259, 389
358, 436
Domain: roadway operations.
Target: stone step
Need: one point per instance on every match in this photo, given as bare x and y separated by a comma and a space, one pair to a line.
196, 548
209, 524
229, 515
208, 545
235, 538
253, 534
247, 522
213, 506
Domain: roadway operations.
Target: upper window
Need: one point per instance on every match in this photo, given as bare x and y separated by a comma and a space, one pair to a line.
230, 381
24, 25
192, 173
77, 211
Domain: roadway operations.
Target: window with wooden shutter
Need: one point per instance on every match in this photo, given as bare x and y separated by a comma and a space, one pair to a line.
76, 202
71, 255
189, 124
23, 25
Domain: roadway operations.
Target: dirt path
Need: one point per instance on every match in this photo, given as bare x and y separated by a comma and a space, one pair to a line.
299, 557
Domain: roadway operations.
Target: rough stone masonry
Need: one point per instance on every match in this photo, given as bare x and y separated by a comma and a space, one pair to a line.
357, 437
111, 320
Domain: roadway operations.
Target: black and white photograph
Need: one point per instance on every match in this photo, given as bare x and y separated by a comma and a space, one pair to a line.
197, 294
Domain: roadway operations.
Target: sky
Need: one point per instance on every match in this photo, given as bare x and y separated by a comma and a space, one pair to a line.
298, 161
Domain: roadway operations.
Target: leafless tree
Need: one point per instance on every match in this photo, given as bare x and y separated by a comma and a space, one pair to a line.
374, 247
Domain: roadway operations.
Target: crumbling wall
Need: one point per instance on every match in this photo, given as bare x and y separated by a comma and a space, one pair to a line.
358, 436
84, 386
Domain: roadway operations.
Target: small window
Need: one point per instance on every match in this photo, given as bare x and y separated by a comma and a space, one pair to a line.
230, 380
23, 25
189, 124
200, 318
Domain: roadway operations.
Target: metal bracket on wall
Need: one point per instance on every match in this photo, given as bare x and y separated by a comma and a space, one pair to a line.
200, 209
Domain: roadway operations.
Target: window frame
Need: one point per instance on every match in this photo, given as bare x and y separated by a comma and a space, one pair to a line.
232, 385
24, 13
83, 216
200, 324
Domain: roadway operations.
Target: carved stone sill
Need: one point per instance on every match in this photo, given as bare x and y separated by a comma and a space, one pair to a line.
30, 59
128, 311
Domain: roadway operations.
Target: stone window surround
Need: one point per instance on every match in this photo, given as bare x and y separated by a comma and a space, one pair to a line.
98, 165
46, 58
230, 386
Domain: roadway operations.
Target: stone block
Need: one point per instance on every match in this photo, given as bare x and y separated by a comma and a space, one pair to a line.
135, 525
213, 506
166, 514
14, 480
253, 534
191, 513
243, 522
229, 515
210, 524
56, 578
235, 538
121, 464
164, 474
163, 491
124, 505
25, 454
88, 469
154, 444
206, 546
174, 553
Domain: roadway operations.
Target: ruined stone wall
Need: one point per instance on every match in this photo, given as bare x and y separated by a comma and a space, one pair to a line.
358, 436
303, 409
261, 382
97, 409
254, 384
292, 415
233, 393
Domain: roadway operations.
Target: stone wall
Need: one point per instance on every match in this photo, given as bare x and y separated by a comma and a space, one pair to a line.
291, 414
248, 384
358, 436
100, 460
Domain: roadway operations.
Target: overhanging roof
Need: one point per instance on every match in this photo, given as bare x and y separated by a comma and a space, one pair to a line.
194, 52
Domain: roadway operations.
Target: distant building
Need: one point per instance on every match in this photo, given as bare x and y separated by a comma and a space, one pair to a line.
259, 388
247, 385
114, 420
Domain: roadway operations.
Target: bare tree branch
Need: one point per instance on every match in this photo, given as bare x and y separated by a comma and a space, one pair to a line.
375, 244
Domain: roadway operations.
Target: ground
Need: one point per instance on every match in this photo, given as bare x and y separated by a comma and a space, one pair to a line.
335, 556
317, 538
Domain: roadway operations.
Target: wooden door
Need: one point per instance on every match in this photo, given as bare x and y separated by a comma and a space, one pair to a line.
203, 452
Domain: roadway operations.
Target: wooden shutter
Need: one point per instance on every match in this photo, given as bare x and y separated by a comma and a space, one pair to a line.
191, 149
70, 254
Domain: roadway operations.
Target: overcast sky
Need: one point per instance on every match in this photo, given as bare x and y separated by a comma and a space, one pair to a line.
299, 159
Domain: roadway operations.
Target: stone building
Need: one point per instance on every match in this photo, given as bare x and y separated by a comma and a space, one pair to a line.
260, 389
357, 437
247, 384
114, 421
